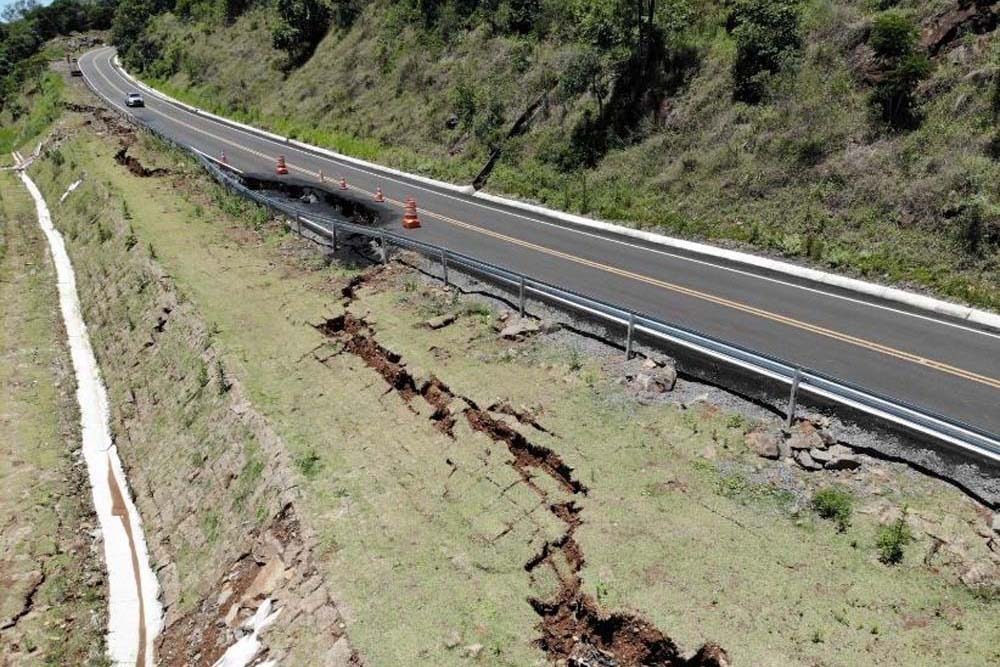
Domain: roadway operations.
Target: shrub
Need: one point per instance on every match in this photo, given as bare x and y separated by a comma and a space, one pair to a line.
893, 35
834, 504
767, 36
891, 540
893, 38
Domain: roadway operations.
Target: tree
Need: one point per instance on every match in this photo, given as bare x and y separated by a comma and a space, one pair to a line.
302, 24
767, 37
893, 39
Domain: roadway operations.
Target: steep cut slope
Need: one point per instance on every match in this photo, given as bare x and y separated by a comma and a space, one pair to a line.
834, 132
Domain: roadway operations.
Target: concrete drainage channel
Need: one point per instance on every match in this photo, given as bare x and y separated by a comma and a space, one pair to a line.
572, 626
134, 610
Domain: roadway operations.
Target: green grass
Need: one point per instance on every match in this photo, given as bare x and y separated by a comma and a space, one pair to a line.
834, 504
42, 106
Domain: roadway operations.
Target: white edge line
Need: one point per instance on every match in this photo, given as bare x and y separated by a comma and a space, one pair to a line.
895, 294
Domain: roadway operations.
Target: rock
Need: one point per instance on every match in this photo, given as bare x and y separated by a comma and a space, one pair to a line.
806, 460
656, 380
996, 523
339, 655
708, 453
842, 458
978, 575
519, 328
805, 436
453, 639
472, 650
820, 456
764, 443
452, 122
441, 321
266, 581
503, 316
549, 326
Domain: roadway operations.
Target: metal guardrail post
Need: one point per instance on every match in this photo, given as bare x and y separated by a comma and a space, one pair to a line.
444, 264
793, 398
298, 224
628, 338
385, 249
520, 297
334, 237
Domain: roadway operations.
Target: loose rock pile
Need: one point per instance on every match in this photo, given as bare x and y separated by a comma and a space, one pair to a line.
807, 443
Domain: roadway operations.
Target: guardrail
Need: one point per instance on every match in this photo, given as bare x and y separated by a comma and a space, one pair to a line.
954, 433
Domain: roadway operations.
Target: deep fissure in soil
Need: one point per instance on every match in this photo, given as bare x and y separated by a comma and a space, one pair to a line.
573, 627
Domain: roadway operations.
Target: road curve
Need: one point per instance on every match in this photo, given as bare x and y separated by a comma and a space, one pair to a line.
945, 366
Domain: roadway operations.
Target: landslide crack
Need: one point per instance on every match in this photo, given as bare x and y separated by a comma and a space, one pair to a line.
572, 626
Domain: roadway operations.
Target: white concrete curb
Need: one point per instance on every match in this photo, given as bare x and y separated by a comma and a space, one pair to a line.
894, 294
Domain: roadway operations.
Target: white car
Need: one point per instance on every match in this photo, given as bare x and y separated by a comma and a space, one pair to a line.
134, 100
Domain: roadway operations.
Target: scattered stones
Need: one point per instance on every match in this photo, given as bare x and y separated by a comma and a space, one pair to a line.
764, 443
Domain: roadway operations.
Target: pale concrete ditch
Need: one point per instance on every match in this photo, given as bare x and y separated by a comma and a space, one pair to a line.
134, 610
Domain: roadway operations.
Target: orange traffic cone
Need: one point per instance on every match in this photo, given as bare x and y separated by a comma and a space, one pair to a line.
379, 197
281, 169
410, 219
343, 183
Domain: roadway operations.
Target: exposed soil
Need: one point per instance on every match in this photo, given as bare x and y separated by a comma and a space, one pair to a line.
573, 627
134, 166
976, 17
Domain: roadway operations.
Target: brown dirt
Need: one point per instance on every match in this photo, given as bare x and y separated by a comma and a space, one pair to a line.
573, 628
134, 166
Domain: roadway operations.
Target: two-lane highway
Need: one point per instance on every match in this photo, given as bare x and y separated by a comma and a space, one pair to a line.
945, 366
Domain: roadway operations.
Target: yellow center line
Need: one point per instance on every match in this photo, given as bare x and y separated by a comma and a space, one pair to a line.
674, 287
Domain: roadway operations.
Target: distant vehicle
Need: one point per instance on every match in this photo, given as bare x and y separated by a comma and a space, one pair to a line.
74, 68
134, 100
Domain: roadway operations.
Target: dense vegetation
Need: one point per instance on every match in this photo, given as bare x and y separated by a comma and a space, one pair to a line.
25, 29
860, 135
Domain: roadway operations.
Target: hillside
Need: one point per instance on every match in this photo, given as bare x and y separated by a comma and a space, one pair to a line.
842, 134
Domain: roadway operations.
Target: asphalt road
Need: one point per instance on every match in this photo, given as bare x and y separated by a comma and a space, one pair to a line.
946, 366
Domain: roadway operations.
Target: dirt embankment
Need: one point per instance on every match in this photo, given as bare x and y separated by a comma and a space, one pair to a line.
574, 629
212, 480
